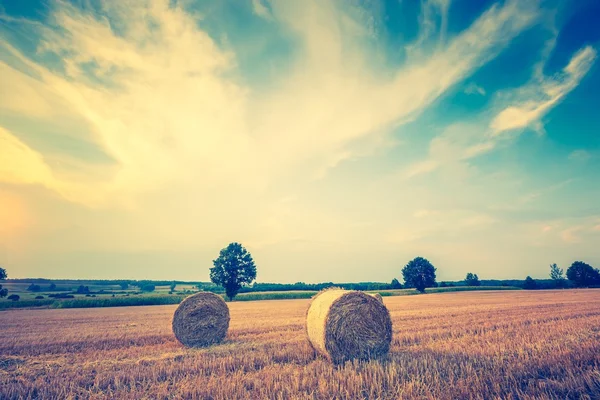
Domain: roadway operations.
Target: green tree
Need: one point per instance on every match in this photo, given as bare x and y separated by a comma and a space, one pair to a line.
124, 285
583, 274
83, 289
558, 276
233, 268
396, 284
3, 276
419, 273
173, 286
34, 288
472, 280
147, 287
530, 284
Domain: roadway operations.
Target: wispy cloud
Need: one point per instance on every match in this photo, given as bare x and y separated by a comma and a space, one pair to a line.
518, 109
260, 9
580, 155
533, 101
433, 23
196, 153
473, 88
158, 96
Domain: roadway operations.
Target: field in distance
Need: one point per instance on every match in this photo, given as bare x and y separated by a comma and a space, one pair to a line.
113, 296
511, 344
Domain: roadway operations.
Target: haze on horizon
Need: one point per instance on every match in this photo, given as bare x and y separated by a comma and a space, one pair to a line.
335, 140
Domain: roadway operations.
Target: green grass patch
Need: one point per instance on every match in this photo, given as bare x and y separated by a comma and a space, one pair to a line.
6, 304
275, 295
94, 302
411, 292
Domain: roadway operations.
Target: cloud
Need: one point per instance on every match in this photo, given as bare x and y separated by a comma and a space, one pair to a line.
580, 155
260, 9
473, 88
20, 164
535, 100
519, 108
160, 96
196, 153
433, 18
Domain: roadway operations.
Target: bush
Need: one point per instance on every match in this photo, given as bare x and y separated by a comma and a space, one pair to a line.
118, 301
39, 297
26, 303
61, 296
14, 297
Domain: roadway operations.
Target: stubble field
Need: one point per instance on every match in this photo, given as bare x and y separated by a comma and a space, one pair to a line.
483, 345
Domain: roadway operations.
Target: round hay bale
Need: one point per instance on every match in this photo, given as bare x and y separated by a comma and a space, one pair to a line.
345, 325
377, 296
201, 320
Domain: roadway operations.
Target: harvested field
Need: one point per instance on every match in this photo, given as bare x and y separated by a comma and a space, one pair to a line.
522, 344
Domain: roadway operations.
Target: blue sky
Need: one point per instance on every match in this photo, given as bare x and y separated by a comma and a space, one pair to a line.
335, 140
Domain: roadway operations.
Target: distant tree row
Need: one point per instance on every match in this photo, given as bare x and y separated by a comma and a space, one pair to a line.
144, 286
579, 275
419, 273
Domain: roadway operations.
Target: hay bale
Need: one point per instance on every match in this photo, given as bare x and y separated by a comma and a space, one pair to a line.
201, 320
344, 325
377, 296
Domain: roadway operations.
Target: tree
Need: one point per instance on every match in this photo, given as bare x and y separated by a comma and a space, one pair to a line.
396, 284
147, 287
583, 274
530, 284
124, 285
419, 273
14, 297
233, 268
558, 276
83, 290
3, 276
472, 280
34, 288
52, 287
173, 286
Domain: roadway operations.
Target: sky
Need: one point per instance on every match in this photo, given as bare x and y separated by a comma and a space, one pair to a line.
336, 140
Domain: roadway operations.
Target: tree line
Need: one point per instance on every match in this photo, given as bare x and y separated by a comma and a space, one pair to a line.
234, 271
